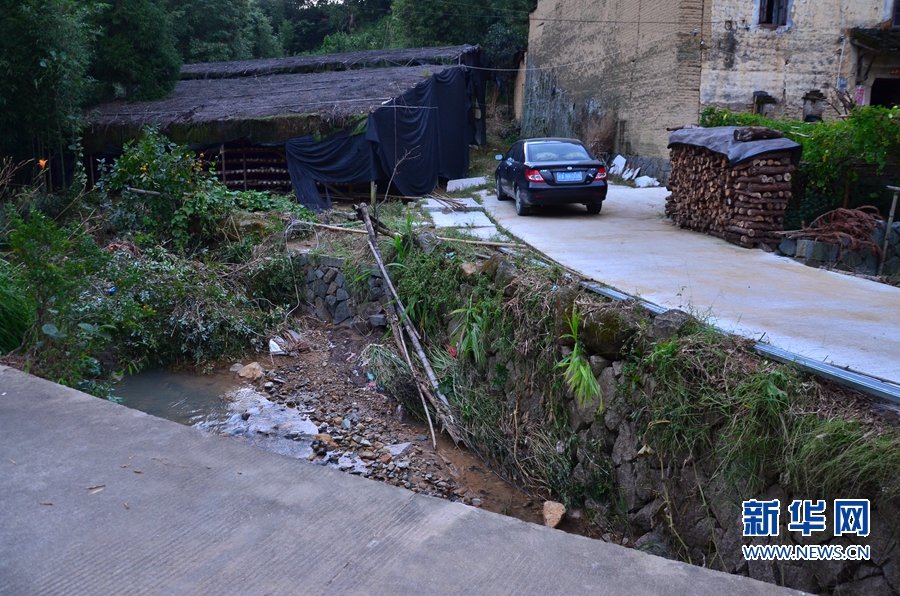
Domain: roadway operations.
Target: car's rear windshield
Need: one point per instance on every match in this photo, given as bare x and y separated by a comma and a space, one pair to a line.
556, 151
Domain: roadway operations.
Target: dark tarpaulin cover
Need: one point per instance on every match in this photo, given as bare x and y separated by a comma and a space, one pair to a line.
424, 133
721, 140
341, 158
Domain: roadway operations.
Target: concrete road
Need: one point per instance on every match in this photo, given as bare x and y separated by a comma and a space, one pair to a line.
631, 246
97, 498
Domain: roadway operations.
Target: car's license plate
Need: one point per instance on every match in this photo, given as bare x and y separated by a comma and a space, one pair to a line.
569, 176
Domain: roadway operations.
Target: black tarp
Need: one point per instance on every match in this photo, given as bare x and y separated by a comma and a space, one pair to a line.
412, 140
721, 140
422, 135
341, 158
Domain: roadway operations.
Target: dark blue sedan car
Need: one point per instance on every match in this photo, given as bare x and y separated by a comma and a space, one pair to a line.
551, 172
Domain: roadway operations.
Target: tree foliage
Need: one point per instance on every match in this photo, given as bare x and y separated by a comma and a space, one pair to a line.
137, 52
45, 52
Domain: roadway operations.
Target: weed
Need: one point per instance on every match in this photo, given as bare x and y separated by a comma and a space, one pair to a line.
470, 337
578, 372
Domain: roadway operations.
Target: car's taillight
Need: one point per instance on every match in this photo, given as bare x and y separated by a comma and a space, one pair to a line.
601, 174
534, 176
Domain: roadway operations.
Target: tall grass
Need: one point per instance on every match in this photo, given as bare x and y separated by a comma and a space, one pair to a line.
16, 312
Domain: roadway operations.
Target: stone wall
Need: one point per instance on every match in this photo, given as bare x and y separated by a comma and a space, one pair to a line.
839, 256
328, 294
689, 509
614, 74
617, 73
809, 53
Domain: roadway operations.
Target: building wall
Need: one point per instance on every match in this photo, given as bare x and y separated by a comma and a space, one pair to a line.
742, 57
615, 73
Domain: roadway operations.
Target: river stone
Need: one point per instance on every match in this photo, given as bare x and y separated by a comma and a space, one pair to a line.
427, 241
655, 543
236, 367
505, 274
336, 262
871, 586
252, 372
605, 331
322, 310
468, 269
490, 266
553, 513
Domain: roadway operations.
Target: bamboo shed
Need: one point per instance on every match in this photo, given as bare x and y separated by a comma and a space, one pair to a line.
731, 182
317, 124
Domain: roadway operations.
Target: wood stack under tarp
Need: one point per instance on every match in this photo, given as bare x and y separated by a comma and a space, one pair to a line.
736, 190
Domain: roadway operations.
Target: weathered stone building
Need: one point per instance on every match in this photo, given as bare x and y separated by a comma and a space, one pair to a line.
618, 72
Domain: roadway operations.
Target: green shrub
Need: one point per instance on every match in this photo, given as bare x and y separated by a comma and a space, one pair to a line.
161, 188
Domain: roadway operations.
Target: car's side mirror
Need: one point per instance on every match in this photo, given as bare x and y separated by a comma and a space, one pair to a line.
498, 157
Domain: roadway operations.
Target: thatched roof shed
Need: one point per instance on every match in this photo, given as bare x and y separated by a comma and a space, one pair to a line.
268, 108
251, 111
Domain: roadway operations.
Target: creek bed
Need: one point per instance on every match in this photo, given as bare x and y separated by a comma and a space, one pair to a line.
328, 412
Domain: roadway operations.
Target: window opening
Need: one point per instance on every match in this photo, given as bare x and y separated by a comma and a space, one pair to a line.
897, 14
774, 12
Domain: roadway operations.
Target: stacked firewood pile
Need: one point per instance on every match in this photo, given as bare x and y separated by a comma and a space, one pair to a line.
743, 204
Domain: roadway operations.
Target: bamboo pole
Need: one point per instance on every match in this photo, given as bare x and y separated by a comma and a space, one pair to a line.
443, 407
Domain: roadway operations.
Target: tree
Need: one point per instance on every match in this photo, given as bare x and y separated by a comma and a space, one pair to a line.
137, 50
45, 50
217, 30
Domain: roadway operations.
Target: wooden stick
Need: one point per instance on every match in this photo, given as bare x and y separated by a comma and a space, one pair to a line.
483, 242
449, 423
141, 191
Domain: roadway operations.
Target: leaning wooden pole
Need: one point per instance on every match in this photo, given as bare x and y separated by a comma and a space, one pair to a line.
441, 405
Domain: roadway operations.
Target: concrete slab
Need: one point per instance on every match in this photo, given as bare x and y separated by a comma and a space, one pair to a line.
101, 499
485, 233
830, 317
469, 204
462, 183
474, 219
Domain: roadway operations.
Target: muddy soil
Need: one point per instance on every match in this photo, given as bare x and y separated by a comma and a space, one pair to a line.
363, 431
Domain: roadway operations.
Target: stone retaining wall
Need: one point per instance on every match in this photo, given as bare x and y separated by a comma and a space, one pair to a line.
865, 261
328, 293
688, 509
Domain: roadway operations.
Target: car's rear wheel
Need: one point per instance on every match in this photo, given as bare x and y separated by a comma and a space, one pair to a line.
521, 207
501, 196
594, 208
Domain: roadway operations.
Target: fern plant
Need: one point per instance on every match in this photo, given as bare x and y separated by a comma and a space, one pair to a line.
578, 374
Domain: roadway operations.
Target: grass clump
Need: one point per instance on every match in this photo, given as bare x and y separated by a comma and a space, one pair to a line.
16, 311
578, 374
758, 423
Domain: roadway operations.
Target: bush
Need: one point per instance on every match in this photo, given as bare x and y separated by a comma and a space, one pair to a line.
162, 189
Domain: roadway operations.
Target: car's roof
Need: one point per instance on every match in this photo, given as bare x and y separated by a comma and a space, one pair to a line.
552, 140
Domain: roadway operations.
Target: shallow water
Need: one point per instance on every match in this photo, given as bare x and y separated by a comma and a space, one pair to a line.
182, 397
